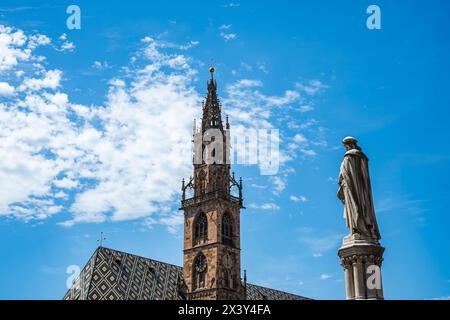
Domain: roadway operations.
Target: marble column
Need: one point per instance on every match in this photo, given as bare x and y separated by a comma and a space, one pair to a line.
349, 286
361, 259
358, 278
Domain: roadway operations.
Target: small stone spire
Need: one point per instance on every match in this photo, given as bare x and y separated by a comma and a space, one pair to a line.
212, 109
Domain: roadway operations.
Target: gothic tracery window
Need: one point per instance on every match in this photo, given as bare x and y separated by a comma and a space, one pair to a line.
227, 229
200, 269
201, 228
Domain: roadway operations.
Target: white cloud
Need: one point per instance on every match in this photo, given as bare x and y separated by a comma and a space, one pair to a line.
60, 194
12, 48
232, 5
111, 157
265, 206
308, 152
118, 170
279, 184
299, 138
51, 80
317, 255
227, 36
35, 41
173, 222
65, 44
16, 47
298, 198
325, 276
262, 67
246, 66
249, 108
258, 186
65, 183
318, 243
100, 65
312, 87
225, 27
6, 89
306, 108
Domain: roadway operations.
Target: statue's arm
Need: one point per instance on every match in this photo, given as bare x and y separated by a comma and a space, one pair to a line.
341, 181
340, 194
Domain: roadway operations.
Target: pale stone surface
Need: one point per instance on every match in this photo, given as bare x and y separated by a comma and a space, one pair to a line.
356, 258
355, 192
361, 253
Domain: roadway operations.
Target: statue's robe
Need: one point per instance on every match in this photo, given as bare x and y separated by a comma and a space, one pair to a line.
356, 193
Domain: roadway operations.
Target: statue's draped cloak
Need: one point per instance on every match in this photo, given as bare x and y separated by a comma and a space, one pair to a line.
356, 193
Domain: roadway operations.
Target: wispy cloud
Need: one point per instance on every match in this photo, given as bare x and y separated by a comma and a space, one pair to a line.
173, 222
228, 36
319, 243
317, 255
312, 87
279, 184
100, 65
262, 67
298, 198
232, 5
225, 34
324, 276
23, 8
265, 206
258, 186
65, 44
400, 204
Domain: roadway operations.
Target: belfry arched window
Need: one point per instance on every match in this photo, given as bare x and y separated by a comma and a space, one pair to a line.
227, 229
200, 268
201, 228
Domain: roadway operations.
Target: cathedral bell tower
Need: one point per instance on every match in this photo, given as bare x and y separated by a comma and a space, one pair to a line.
211, 212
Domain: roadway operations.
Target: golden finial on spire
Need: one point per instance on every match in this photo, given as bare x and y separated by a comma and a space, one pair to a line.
211, 69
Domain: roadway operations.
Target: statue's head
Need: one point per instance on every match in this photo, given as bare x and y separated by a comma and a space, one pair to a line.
350, 143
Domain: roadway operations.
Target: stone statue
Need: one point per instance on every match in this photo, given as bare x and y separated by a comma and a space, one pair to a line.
355, 192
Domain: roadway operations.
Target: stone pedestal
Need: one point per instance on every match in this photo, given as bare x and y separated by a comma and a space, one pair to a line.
361, 259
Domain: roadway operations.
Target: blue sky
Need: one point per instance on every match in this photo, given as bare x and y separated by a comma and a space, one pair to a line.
91, 121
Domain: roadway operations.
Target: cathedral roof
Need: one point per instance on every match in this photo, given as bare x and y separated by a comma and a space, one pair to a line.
113, 275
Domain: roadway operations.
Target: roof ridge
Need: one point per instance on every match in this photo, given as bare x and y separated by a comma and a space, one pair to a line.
258, 287
142, 257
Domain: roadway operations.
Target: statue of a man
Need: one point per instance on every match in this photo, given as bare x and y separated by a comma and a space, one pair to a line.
355, 192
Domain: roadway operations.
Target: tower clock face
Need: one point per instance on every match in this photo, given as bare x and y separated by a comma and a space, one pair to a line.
228, 261
200, 264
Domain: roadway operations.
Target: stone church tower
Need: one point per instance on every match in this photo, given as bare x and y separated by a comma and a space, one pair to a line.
211, 212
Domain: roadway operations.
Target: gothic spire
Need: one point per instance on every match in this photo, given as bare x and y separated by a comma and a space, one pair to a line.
212, 108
